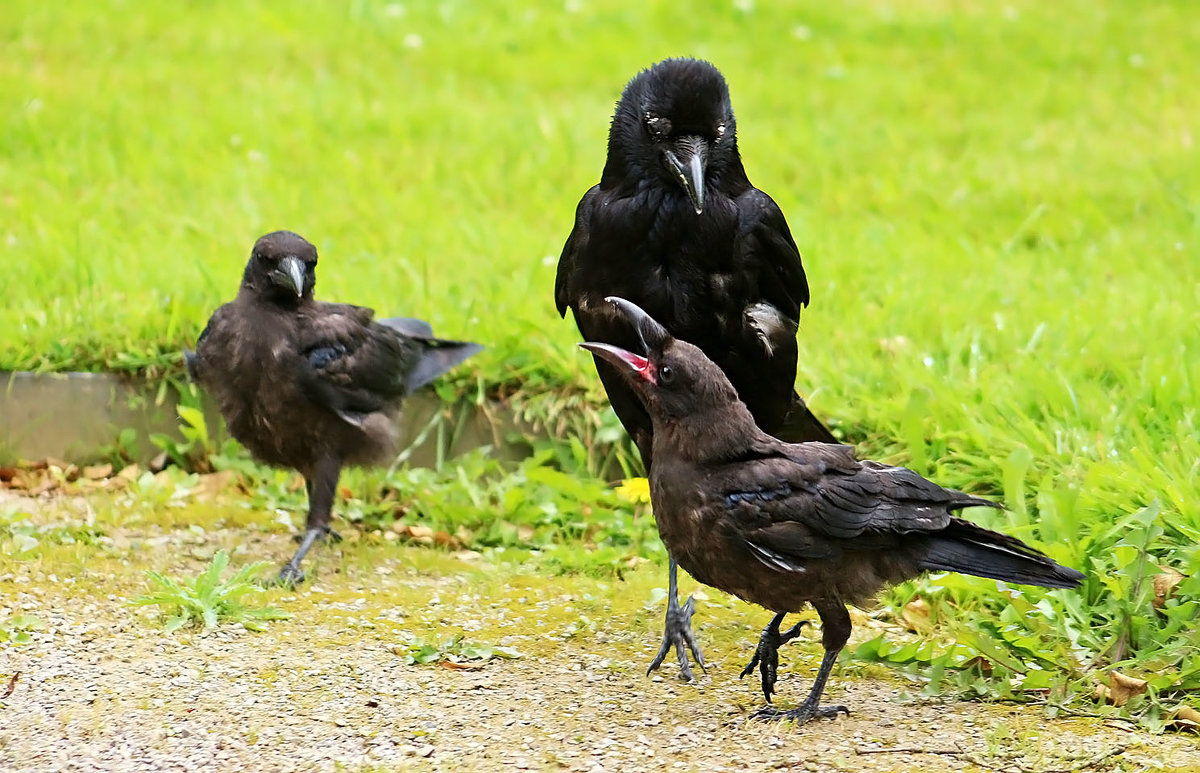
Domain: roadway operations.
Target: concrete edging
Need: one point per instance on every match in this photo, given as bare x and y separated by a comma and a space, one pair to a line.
77, 417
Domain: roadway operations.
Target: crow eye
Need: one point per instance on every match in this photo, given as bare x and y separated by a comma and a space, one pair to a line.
666, 374
658, 126
720, 130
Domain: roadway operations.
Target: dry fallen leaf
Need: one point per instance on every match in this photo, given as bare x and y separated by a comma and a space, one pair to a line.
115, 483
916, 616
98, 471
48, 462
1120, 688
633, 562
416, 533
12, 685
979, 661
214, 483
1186, 718
446, 540
21, 480
130, 472
450, 664
48, 480
1163, 585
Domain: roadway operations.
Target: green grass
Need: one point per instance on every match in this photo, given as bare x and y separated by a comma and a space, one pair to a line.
940, 163
999, 207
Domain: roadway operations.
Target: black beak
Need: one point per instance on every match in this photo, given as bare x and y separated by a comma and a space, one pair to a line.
689, 160
290, 274
654, 337
623, 359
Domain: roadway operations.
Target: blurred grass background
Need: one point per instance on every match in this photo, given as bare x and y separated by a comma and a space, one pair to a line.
998, 204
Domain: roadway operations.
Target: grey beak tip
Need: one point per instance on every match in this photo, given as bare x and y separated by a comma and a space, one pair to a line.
294, 270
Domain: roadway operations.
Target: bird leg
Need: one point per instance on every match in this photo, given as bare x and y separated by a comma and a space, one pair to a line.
329, 531
321, 488
678, 630
811, 707
835, 632
766, 655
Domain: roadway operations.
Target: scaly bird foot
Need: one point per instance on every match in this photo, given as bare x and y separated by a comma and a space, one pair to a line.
290, 575
766, 655
801, 713
677, 633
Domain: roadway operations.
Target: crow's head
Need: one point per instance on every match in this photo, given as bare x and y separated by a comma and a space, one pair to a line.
675, 380
675, 124
282, 268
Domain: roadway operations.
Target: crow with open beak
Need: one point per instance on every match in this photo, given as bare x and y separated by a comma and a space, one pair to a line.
675, 226
787, 524
309, 385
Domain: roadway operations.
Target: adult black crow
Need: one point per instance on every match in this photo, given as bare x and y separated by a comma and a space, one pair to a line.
675, 226
311, 385
785, 524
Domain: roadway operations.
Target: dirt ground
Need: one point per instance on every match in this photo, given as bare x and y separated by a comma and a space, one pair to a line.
104, 688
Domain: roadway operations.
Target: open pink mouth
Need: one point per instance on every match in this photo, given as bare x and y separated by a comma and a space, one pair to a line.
622, 357
641, 366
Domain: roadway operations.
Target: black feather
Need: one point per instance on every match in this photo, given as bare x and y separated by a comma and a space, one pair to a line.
969, 549
437, 357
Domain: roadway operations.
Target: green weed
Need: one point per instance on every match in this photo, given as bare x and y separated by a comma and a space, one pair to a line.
21, 538
581, 523
988, 640
454, 649
193, 452
209, 600
18, 629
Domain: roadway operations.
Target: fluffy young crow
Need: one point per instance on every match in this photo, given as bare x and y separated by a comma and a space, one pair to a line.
309, 385
675, 226
787, 524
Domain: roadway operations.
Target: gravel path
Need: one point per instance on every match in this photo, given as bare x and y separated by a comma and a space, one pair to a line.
104, 689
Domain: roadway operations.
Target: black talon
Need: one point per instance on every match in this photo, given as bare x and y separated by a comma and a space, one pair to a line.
677, 631
766, 654
290, 575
